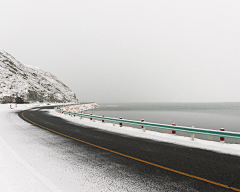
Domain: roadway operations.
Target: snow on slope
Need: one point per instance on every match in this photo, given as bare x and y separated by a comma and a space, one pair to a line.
30, 83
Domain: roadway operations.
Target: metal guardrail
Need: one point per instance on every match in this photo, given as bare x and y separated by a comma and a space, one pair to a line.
210, 132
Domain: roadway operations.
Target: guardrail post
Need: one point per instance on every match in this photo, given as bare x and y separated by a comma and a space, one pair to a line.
91, 117
174, 132
192, 134
103, 119
210, 138
120, 123
143, 126
222, 139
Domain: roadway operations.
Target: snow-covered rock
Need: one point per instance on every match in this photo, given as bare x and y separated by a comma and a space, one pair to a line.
29, 83
79, 108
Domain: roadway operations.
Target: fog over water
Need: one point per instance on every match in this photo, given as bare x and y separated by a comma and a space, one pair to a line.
130, 51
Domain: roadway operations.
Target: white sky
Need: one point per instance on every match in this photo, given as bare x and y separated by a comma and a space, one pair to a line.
130, 51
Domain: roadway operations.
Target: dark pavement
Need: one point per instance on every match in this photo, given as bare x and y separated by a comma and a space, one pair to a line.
217, 167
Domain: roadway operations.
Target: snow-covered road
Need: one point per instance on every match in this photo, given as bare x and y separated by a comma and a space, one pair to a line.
34, 159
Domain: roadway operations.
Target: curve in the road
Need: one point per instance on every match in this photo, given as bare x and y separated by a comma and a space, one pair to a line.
134, 158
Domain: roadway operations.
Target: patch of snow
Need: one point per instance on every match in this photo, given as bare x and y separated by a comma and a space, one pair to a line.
16, 174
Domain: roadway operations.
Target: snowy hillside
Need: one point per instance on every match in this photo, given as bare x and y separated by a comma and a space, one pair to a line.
29, 83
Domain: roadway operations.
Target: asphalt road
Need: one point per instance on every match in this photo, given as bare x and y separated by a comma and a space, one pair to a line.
211, 166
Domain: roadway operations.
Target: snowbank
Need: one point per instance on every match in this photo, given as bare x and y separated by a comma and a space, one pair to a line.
16, 174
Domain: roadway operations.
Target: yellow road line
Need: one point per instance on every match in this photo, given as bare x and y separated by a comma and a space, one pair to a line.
140, 160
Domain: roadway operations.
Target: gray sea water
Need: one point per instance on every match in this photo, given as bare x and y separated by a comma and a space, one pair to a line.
200, 115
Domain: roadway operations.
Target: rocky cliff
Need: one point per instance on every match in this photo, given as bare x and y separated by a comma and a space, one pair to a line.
24, 83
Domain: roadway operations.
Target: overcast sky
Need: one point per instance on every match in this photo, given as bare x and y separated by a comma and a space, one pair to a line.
130, 51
